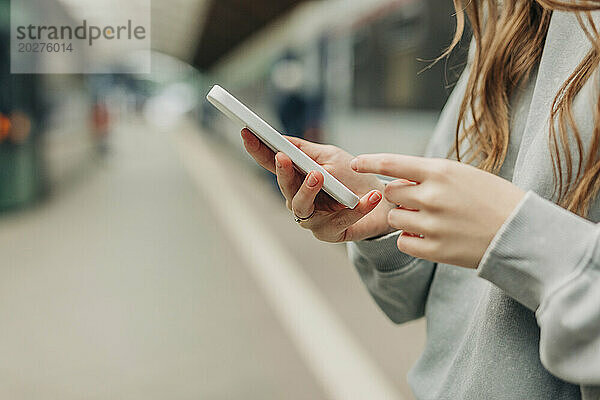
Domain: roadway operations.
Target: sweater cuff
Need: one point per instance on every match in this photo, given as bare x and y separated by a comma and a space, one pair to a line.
536, 249
383, 252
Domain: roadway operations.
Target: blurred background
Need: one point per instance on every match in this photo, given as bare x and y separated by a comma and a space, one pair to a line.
144, 256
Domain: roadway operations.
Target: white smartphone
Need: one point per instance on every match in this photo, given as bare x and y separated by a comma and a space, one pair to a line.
239, 113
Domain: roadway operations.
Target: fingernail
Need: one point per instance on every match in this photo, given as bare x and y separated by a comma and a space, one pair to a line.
312, 180
375, 197
277, 163
354, 164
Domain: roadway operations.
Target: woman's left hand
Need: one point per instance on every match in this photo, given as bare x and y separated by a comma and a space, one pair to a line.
449, 211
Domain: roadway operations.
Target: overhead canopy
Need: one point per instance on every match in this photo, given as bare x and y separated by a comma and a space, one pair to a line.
176, 24
197, 31
229, 22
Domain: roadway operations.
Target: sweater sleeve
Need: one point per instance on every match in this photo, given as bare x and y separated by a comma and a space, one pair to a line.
548, 259
398, 283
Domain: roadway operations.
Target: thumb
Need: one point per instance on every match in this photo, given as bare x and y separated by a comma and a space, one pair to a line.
313, 150
348, 217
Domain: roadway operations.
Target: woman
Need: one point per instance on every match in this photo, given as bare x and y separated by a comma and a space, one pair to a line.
492, 235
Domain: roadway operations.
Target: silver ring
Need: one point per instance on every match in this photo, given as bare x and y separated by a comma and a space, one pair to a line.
299, 220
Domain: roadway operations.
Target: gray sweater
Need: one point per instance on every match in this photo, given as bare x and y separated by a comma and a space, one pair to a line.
526, 323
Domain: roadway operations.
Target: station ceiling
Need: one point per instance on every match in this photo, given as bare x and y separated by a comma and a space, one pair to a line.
199, 32
228, 23
176, 24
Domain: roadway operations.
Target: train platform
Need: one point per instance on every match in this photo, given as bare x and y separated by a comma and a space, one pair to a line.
172, 269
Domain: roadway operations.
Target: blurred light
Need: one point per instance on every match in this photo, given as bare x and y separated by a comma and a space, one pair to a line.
4, 127
288, 75
167, 109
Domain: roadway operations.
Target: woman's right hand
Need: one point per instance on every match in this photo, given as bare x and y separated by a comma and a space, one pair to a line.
330, 221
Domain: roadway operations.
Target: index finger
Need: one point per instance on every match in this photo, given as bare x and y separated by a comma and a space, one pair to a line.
261, 153
393, 165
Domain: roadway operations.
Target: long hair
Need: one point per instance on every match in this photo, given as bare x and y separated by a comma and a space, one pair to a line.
509, 37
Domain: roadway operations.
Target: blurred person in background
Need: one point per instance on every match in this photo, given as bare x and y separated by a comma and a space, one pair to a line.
291, 103
491, 236
101, 120
101, 126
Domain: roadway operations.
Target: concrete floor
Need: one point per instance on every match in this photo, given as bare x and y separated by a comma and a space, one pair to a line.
124, 285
